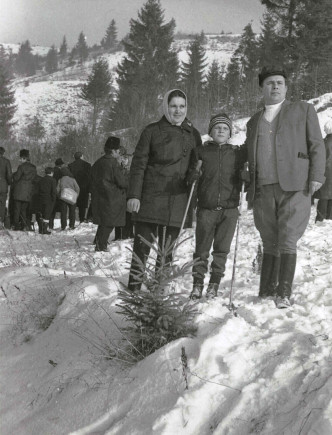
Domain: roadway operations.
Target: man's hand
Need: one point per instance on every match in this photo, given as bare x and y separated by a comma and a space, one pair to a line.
314, 186
133, 204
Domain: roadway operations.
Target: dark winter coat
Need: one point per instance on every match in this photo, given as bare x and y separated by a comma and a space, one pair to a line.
158, 171
82, 174
325, 192
23, 179
219, 184
57, 174
108, 192
47, 189
34, 206
5, 174
300, 149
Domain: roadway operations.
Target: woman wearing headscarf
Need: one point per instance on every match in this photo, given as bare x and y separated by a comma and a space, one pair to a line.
158, 191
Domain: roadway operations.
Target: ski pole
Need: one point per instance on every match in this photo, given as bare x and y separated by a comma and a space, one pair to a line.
231, 306
198, 167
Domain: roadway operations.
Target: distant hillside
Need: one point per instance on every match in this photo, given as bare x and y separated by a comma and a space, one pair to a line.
54, 98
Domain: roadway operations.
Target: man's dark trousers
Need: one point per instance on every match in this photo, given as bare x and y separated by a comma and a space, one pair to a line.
3, 198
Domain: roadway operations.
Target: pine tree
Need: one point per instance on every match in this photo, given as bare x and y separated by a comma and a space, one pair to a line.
232, 84
97, 89
63, 49
51, 60
6, 59
149, 69
25, 61
110, 39
314, 42
82, 48
193, 78
268, 49
7, 104
304, 40
214, 87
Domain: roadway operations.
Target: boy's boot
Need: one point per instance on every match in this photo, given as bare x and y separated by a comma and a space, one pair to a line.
286, 276
269, 275
212, 290
197, 291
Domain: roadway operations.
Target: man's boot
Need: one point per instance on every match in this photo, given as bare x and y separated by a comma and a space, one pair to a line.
45, 230
212, 290
197, 291
269, 275
286, 276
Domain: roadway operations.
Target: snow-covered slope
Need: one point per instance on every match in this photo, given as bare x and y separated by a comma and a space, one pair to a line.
264, 371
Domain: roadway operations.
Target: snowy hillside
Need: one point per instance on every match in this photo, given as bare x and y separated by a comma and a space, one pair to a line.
54, 97
36, 49
265, 371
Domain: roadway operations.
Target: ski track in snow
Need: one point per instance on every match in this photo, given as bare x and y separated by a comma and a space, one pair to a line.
263, 371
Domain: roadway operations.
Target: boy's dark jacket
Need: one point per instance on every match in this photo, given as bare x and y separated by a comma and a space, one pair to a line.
219, 184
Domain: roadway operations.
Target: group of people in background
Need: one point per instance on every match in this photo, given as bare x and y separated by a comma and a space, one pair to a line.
62, 189
288, 165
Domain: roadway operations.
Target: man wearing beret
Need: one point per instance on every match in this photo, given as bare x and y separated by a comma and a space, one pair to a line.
286, 158
108, 193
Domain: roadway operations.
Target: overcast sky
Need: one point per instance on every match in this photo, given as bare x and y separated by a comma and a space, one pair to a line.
45, 22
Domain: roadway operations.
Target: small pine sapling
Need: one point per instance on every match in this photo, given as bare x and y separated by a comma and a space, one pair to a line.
156, 313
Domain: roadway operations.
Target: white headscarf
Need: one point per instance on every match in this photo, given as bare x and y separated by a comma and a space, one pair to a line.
165, 106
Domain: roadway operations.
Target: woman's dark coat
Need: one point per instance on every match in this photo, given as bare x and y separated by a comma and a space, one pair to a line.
158, 171
47, 195
82, 174
108, 192
325, 192
23, 181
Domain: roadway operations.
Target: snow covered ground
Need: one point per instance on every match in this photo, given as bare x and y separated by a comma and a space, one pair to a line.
265, 371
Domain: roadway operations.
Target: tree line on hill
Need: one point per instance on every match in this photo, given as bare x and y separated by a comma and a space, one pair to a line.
289, 36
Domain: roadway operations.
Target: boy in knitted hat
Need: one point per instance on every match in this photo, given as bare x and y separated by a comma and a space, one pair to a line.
218, 194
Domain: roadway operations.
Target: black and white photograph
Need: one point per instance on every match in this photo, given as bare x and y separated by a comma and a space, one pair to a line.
165, 217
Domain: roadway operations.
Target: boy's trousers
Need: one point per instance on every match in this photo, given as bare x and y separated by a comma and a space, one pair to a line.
217, 228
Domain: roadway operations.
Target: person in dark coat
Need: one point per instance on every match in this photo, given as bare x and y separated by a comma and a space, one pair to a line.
158, 192
59, 163
324, 194
34, 204
82, 174
47, 198
23, 179
67, 180
5, 181
286, 157
218, 195
126, 232
108, 193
